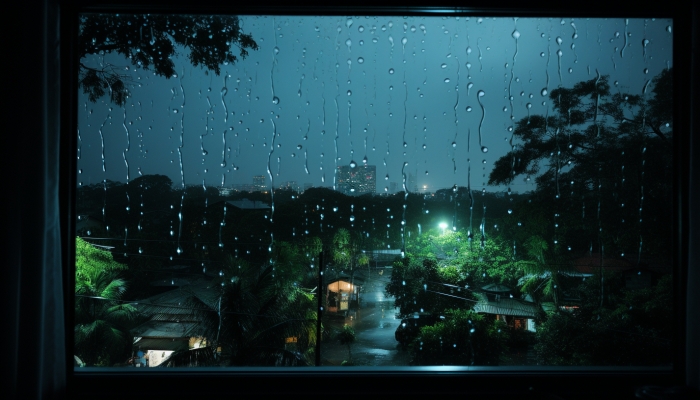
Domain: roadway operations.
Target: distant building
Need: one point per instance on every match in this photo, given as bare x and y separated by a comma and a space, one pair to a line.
260, 183
243, 187
289, 185
361, 179
224, 191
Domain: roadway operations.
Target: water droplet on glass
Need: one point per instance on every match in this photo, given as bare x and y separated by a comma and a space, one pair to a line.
515, 34
544, 92
469, 109
353, 164
484, 149
275, 100
352, 218
559, 41
391, 70
447, 80
443, 65
360, 60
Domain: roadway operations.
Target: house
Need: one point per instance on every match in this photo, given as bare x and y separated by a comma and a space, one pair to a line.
498, 301
171, 324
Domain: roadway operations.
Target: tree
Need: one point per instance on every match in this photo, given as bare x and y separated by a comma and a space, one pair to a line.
150, 42
347, 337
463, 338
101, 322
601, 161
634, 329
250, 320
542, 269
420, 286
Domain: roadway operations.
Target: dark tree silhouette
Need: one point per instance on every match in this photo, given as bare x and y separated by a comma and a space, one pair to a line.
602, 162
150, 42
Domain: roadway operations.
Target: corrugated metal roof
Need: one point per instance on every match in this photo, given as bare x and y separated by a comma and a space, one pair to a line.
173, 344
162, 329
506, 306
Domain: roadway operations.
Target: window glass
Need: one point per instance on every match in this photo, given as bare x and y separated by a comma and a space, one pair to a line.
373, 191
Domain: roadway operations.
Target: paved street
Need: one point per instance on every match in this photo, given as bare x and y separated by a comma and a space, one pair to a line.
374, 323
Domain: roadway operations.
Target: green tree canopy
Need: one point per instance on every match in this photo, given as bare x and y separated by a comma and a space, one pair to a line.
102, 322
150, 42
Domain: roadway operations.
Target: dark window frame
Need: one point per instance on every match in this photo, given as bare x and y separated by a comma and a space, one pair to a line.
409, 380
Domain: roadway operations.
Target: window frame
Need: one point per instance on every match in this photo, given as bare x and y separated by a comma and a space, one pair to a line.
404, 380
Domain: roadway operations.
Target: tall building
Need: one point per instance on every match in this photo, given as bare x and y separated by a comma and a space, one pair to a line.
361, 179
260, 182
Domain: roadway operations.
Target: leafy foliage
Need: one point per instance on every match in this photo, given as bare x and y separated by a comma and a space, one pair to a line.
252, 317
601, 161
347, 337
420, 286
463, 338
150, 42
636, 330
101, 322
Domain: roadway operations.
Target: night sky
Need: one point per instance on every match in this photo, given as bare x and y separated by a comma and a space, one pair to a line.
404, 93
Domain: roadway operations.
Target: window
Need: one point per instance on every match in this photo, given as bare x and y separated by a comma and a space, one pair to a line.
160, 181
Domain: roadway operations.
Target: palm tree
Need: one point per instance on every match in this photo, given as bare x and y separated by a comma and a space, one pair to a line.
101, 321
250, 320
542, 269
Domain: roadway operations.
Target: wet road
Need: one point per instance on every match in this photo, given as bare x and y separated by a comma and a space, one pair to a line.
374, 323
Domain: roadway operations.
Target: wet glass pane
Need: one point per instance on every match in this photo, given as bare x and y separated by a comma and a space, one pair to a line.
373, 191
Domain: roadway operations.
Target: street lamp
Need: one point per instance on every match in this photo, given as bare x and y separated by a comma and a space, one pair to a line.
443, 226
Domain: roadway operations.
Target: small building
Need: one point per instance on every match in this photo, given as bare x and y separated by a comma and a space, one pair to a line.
171, 325
342, 295
498, 301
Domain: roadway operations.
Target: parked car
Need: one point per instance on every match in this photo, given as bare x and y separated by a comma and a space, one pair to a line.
409, 328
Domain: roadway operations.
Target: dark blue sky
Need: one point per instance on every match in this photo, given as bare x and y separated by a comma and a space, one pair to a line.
322, 92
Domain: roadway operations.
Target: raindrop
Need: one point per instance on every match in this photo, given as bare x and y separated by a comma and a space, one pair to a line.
353, 164
391, 70
484, 149
352, 218
469, 109
443, 65
360, 60
544, 92
447, 80
349, 92
275, 100
542, 54
559, 41
516, 34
